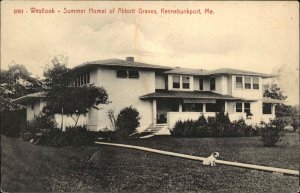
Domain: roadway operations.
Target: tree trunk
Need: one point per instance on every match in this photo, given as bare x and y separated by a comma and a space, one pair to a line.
62, 118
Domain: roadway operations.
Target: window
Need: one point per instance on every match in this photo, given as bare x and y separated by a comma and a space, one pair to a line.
255, 81
267, 108
247, 109
185, 82
201, 84
122, 73
133, 74
212, 107
176, 81
192, 107
238, 82
82, 79
238, 107
247, 82
212, 82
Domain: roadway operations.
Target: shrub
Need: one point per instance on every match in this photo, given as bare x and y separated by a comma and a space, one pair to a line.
239, 129
39, 126
127, 121
218, 126
80, 136
272, 132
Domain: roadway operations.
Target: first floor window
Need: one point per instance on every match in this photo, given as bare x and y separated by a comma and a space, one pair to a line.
267, 108
212, 83
238, 107
176, 81
185, 82
192, 107
247, 109
255, 81
239, 82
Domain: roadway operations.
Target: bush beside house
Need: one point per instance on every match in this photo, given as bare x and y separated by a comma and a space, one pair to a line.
218, 126
127, 121
43, 130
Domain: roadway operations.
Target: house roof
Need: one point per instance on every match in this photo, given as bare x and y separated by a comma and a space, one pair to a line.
29, 96
237, 72
187, 95
186, 71
201, 72
119, 63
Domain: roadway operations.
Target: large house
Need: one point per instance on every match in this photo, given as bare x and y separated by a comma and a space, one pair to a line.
164, 95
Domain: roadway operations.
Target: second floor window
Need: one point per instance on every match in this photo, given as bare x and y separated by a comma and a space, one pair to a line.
133, 74
247, 82
239, 82
122, 73
83, 79
128, 74
212, 82
185, 82
201, 84
176, 81
255, 81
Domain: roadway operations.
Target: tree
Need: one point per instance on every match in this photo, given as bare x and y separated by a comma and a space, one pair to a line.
17, 81
273, 91
52, 72
74, 101
288, 112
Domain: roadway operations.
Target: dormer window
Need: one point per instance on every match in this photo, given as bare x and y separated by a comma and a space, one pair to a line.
176, 81
185, 82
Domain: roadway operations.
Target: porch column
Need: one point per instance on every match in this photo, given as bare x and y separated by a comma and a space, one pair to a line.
154, 111
204, 107
273, 109
180, 107
225, 107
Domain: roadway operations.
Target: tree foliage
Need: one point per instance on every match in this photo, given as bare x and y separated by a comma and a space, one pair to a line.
273, 91
74, 101
15, 82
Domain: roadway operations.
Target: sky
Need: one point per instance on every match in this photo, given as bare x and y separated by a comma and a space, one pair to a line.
254, 36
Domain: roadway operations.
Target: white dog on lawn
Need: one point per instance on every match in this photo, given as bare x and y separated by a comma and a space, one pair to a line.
211, 160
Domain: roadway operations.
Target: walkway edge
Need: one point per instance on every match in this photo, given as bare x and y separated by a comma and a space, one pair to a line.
185, 156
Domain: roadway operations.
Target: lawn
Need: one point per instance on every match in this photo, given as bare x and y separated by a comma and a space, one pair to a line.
27, 167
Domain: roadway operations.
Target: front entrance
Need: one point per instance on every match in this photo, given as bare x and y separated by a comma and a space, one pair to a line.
164, 106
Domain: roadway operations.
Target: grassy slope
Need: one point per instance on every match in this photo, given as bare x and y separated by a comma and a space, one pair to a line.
26, 167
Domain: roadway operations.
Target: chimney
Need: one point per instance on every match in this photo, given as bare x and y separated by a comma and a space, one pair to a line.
130, 59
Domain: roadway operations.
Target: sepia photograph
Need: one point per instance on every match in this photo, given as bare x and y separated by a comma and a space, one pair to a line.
150, 96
